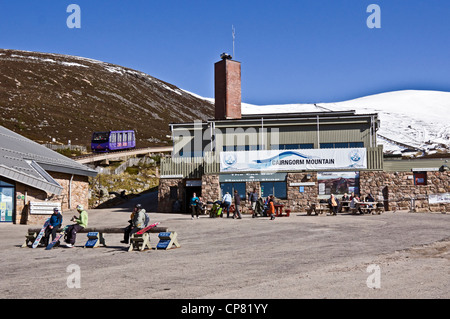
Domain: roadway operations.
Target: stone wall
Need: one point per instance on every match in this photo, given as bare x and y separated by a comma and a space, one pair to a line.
398, 188
297, 201
165, 203
210, 188
25, 194
76, 192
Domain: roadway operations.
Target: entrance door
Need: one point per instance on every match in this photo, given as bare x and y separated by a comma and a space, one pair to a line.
189, 192
6, 202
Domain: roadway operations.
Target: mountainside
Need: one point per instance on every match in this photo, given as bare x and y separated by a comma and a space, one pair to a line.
45, 96
411, 121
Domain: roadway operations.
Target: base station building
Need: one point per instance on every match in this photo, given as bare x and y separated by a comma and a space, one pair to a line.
299, 158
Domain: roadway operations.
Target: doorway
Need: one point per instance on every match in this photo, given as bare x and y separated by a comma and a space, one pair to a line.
190, 190
7, 192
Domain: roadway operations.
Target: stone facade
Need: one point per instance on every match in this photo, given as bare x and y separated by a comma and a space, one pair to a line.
210, 188
399, 188
76, 192
166, 203
298, 201
79, 192
396, 187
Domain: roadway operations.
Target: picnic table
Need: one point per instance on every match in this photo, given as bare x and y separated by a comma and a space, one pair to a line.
279, 210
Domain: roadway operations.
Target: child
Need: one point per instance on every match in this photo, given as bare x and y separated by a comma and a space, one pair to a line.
271, 208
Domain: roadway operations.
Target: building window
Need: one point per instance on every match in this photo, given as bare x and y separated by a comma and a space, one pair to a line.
173, 192
231, 187
278, 189
237, 148
342, 145
190, 154
292, 146
420, 178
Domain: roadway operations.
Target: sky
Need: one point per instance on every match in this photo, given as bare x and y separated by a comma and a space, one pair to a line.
292, 51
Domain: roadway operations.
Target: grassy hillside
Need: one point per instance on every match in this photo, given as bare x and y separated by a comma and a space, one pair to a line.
45, 96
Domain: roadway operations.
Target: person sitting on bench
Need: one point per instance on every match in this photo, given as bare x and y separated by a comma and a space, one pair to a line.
127, 231
81, 222
334, 204
354, 204
53, 226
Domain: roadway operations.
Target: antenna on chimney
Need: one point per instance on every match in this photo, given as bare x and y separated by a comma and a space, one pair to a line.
233, 33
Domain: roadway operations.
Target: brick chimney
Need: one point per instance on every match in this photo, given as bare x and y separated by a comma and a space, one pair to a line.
227, 88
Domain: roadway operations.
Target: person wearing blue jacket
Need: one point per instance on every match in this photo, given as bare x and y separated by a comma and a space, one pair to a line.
53, 226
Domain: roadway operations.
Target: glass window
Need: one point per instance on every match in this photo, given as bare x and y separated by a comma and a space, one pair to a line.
326, 145
231, 187
100, 137
356, 144
278, 189
306, 146
5, 184
420, 178
340, 145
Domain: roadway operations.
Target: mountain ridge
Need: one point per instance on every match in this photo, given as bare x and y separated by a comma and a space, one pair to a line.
46, 95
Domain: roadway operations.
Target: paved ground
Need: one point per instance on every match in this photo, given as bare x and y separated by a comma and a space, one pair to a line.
291, 257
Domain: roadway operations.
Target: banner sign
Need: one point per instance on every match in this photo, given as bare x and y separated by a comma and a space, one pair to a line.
292, 160
439, 198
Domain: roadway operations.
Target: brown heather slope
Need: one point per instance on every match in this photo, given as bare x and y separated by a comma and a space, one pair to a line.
45, 96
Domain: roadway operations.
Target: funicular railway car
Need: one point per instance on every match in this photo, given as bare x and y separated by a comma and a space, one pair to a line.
113, 141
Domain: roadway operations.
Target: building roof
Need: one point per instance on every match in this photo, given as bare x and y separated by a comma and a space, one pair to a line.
27, 162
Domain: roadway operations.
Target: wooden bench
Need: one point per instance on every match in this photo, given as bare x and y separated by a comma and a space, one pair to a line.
32, 233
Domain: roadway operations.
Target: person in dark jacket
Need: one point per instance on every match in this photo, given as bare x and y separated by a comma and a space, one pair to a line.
53, 226
237, 203
370, 199
253, 198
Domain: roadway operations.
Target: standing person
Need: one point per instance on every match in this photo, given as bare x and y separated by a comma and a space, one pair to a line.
130, 227
226, 202
334, 204
193, 204
55, 223
271, 208
81, 222
237, 202
253, 198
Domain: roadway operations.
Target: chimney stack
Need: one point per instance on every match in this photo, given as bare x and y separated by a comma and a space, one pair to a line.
227, 88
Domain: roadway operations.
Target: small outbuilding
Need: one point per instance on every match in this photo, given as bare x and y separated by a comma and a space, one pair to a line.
31, 174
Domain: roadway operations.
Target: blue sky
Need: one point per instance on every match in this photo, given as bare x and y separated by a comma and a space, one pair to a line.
292, 51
